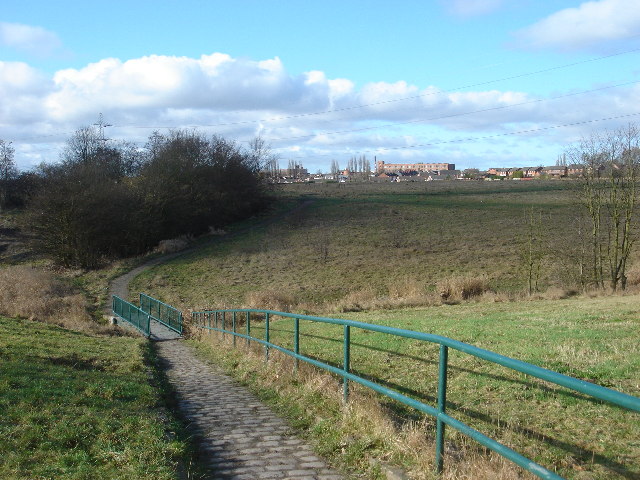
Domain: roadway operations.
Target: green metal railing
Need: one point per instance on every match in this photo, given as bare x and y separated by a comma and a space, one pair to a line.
215, 320
165, 314
132, 314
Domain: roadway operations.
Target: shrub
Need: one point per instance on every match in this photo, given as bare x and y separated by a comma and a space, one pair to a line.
99, 203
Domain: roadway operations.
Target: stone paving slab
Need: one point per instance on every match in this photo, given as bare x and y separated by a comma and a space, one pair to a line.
240, 438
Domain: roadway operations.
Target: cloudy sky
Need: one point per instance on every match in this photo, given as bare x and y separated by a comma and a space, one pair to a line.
477, 83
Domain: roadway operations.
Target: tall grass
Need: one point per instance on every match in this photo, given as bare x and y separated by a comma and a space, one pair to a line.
36, 294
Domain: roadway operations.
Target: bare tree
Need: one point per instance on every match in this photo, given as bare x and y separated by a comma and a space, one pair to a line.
609, 191
82, 146
335, 167
534, 250
8, 170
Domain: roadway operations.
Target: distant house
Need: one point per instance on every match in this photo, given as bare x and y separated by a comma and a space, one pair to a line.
555, 171
500, 172
443, 175
575, 170
531, 172
449, 173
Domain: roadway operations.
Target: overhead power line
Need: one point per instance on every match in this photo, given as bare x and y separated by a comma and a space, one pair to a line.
484, 137
460, 114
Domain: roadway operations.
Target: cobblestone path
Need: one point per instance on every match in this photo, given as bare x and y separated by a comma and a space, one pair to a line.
240, 438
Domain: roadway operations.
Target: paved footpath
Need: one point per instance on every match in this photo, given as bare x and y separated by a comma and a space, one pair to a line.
240, 438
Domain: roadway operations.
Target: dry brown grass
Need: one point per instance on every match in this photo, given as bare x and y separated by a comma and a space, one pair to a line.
455, 289
36, 294
173, 245
405, 293
270, 299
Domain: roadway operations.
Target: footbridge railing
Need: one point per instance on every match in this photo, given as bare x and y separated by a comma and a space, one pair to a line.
132, 314
167, 315
221, 320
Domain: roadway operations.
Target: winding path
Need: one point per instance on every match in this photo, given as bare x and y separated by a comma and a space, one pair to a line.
239, 437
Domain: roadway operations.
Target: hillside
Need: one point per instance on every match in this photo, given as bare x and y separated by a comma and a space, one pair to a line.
375, 242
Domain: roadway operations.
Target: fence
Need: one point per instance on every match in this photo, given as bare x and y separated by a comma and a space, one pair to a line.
216, 320
166, 314
132, 314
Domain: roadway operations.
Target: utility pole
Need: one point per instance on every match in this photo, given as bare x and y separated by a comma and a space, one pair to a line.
101, 126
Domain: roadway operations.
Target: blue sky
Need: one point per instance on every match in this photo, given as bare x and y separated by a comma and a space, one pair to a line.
411, 80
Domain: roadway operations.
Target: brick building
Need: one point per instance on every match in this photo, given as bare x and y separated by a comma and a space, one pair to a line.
382, 167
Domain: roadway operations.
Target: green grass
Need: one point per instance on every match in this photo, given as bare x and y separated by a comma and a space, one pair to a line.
75, 406
592, 339
369, 238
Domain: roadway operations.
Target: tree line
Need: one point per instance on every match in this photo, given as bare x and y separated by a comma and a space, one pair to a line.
106, 200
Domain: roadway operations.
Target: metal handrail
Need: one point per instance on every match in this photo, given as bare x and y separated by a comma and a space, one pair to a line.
165, 314
132, 314
203, 320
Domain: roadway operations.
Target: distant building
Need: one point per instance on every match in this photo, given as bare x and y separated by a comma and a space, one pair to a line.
527, 172
382, 167
555, 171
500, 172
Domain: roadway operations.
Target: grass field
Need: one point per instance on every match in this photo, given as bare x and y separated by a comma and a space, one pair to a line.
76, 406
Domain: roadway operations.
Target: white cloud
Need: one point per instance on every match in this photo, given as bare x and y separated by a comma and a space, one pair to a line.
589, 25
215, 82
240, 98
22, 90
30, 39
470, 8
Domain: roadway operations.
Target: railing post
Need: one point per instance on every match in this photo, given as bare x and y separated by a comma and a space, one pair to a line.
209, 323
296, 339
442, 401
266, 337
233, 323
248, 328
224, 318
215, 320
346, 361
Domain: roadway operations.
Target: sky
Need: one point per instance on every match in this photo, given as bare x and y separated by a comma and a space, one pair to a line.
477, 83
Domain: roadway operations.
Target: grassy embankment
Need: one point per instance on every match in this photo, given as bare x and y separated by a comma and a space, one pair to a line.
361, 245
79, 406
386, 244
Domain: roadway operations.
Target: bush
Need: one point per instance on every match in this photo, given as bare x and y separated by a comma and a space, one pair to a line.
103, 203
